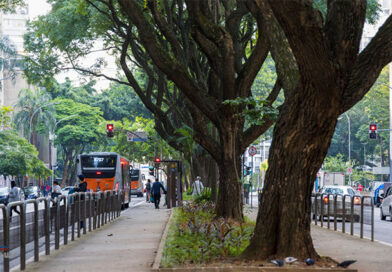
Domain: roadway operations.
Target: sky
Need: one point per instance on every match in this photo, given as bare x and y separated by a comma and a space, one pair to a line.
38, 7
41, 7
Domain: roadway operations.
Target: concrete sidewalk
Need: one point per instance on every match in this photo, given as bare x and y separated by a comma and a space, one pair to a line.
127, 244
370, 256
130, 243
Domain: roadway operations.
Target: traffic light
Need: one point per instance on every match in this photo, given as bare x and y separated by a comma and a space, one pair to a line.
109, 130
157, 160
373, 131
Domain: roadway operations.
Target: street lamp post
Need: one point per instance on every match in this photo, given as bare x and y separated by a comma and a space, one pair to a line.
390, 118
31, 118
349, 147
51, 142
364, 164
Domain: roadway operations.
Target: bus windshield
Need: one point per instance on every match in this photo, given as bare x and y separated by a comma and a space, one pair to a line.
134, 174
98, 161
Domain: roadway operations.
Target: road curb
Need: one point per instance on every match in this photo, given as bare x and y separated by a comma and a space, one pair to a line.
158, 256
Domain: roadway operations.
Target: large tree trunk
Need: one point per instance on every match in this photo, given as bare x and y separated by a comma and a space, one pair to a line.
296, 154
229, 204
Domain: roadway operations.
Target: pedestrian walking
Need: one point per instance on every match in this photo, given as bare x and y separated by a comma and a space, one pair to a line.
14, 195
148, 191
197, 187
81, 188
156, 192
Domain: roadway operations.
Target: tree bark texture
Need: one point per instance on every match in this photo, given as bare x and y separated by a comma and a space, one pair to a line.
297, 152
329, 84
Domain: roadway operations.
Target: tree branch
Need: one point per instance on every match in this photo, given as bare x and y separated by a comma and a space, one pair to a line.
252, 133
174, 71
368, 66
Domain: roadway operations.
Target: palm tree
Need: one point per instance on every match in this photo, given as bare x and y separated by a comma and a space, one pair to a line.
34, 109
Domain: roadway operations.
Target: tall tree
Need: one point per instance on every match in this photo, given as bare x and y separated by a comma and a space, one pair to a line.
217, 63
333, 77
34, 108
85, 126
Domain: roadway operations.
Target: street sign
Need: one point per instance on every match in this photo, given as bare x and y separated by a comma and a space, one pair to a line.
381, 171
349, 170
252, 151
137, 136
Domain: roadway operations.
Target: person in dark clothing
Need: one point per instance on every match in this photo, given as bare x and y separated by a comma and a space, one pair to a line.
82, 185
81, 188
156, 192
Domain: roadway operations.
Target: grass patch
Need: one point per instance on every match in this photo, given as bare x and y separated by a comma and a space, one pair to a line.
195, 236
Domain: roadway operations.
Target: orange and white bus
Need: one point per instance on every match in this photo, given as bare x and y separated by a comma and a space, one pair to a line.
105, 171
136, 182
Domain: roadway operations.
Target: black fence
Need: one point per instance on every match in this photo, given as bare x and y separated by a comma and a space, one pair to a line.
64, 217
343, 212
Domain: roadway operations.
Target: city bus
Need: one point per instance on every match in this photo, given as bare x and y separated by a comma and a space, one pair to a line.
105, 171
136, 182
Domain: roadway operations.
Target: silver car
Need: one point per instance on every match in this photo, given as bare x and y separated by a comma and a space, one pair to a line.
386, 205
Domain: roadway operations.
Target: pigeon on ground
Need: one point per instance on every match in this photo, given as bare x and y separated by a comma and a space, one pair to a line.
277, 262
346, 263
290, 260
309, 261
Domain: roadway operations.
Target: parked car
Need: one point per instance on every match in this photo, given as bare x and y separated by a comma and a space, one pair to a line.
31, 192
4, 191
386, 205
65, 190
333, 190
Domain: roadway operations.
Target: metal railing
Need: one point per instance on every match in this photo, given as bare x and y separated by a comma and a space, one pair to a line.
59, 216
343, 208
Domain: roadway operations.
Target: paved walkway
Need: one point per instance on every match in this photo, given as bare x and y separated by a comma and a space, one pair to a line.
127, 244
370, 256
131, 241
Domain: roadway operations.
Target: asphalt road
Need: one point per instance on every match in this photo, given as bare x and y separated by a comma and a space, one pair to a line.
382, 229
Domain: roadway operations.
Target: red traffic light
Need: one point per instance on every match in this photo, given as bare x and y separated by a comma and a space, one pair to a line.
109, 130
157, 160
373, 127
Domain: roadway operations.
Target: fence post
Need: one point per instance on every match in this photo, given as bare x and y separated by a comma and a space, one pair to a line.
36, 234
66, 210
6, 237
352, 216
315, 208
22, 206
361, 234
335, 198
322, 205
47, 222
90, 210
78, 213
344, 214
73, 215
372, 220
328, 210
57, 224
84, 194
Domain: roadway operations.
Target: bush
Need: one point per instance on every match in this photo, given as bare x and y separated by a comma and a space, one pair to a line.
196, 236
204, 196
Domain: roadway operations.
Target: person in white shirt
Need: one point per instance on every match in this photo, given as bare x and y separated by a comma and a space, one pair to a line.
56, 189
197, 187
13, 196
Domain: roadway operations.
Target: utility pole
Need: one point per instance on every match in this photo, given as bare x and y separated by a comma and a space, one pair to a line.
364, 163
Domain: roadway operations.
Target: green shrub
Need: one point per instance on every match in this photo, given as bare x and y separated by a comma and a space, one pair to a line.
196, 236
204, 196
